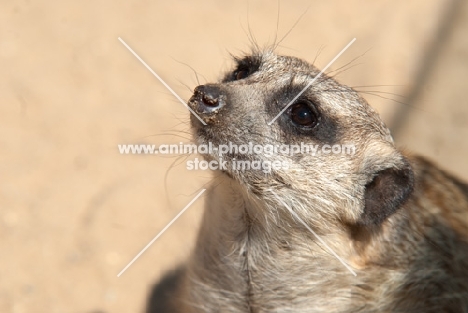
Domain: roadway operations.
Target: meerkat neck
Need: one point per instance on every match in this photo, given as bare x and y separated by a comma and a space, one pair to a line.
240, 248
220, 259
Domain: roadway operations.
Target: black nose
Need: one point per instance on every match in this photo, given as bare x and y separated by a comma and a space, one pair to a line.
209, 95
207, 99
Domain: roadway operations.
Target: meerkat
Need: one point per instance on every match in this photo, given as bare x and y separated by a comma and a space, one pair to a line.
397, 220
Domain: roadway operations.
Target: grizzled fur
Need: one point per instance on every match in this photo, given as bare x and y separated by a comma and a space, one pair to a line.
398, 221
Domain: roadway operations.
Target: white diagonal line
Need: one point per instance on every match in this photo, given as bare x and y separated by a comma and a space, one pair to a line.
160, 79
313, 80
318, 238
161, 232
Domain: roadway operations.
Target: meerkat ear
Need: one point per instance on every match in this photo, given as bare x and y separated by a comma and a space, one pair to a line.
387, 191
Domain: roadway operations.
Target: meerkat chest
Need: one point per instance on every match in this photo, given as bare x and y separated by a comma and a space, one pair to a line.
294, 280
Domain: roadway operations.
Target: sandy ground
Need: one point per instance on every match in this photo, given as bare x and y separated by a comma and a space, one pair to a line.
74, 212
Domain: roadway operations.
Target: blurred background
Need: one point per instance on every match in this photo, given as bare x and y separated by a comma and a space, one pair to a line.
74, 212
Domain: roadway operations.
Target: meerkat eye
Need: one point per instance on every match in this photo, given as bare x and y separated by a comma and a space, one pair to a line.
241, 73
303, 115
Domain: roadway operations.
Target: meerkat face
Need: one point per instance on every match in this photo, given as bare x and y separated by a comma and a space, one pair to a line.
348, 143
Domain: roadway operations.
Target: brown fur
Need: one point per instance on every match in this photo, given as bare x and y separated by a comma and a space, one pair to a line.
399, 222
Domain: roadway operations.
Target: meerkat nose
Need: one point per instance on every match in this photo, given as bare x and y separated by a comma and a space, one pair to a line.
207, 99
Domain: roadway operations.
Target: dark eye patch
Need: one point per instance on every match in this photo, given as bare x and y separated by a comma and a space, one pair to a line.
305, 118
241, 73
245, 67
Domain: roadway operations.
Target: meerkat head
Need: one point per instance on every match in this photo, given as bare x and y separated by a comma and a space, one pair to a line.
351, 172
